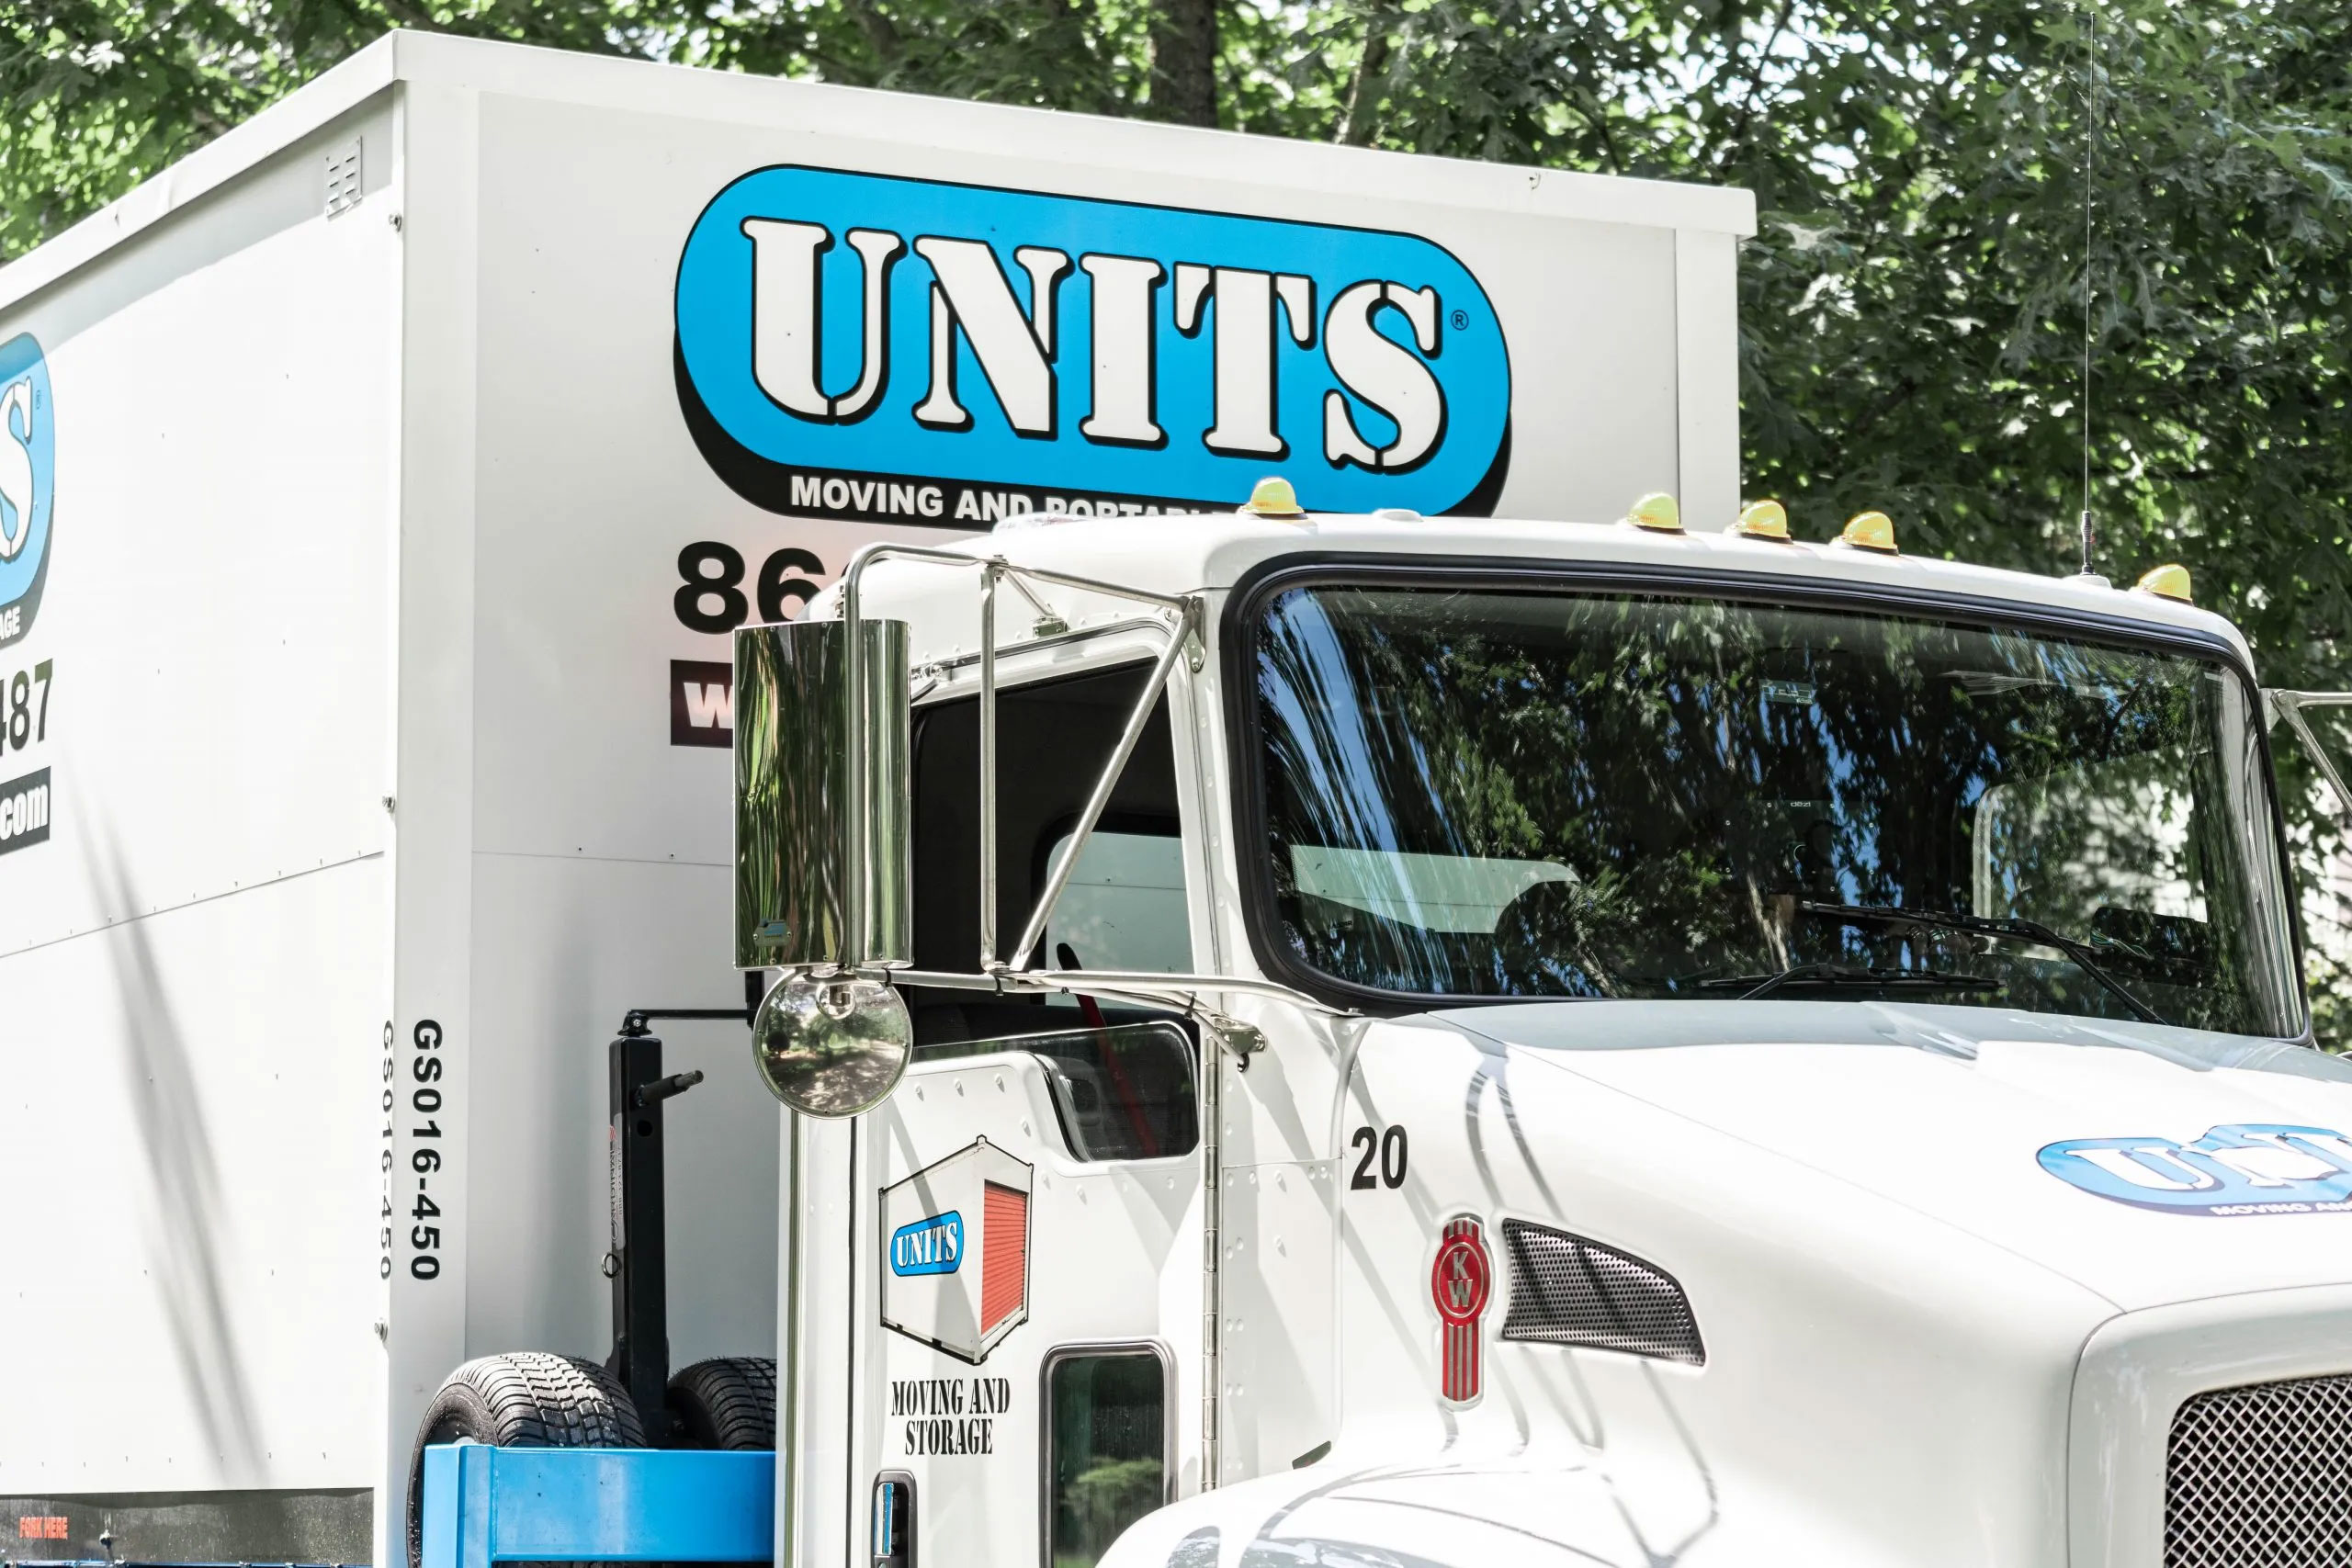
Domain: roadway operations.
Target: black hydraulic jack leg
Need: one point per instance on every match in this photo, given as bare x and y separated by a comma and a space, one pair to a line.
637, 1263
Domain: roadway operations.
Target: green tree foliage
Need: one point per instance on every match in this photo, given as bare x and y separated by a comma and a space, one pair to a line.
1912, 310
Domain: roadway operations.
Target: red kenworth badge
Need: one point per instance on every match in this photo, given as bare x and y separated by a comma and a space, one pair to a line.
1461, 1283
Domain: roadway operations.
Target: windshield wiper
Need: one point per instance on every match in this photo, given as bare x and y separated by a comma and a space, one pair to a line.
1848, 974
2014, 930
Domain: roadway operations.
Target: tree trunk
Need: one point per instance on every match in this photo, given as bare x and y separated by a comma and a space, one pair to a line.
1183, 62
880, 32
1355, 130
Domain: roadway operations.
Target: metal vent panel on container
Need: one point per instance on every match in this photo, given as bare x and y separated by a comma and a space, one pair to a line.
1566, 1289
2261, 1477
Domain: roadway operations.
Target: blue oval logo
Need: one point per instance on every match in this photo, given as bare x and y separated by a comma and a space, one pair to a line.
899, 349
2242, 1168
935, 1245
28, 480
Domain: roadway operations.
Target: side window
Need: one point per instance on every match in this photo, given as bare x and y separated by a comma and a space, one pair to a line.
1126, 906
1106, 1449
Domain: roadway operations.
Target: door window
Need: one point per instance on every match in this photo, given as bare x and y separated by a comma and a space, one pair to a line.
1106, 1449
1123, 907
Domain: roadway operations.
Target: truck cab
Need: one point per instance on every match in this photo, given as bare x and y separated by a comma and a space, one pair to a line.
1431, 1041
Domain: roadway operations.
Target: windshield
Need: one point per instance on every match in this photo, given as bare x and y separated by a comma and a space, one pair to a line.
1522, 794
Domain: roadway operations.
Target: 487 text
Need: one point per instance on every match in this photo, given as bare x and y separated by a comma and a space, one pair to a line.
24, 706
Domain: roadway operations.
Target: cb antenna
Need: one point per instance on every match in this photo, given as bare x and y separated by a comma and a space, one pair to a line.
2090, 162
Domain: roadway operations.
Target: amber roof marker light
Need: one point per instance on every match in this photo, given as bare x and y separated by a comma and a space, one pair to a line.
2170, 581
1656, 513
1871, 531
1762, 520
1273, 497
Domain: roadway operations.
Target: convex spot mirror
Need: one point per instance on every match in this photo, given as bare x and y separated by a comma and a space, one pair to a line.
823, 864
831, 1046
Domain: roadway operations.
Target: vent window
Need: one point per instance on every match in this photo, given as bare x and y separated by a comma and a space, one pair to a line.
1566, 1290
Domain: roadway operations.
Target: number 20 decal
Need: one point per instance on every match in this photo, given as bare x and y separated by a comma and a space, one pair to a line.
1388, 1146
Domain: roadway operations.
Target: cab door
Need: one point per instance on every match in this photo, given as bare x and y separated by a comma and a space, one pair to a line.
1025, 1238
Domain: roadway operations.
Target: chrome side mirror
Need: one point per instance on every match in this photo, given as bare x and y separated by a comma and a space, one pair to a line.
824, 863
832, 1048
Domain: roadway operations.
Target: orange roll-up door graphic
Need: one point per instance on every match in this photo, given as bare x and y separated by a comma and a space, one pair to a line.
1004, 1254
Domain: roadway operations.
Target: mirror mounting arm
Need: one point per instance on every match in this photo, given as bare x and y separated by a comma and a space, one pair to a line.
989, 572
1145, 988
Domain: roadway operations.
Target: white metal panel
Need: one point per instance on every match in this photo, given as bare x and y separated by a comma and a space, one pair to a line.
433, 931
194, 963
1278, 1323
819, 1490
190, 1293
213, 610
1706, 353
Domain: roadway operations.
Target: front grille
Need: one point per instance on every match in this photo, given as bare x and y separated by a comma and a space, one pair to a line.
1567, 1289
2261, 1477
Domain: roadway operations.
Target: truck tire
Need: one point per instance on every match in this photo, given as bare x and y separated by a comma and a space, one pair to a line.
529, 1399
727, 1402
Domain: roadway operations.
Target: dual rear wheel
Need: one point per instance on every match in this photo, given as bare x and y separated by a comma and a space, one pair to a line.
533, 1399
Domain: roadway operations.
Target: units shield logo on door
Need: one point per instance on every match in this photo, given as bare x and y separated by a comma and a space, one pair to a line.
927, 1292
1461, 1284
27, 480
866, 346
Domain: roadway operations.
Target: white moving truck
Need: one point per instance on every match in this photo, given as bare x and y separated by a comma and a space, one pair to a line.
1714, 1049
380, 487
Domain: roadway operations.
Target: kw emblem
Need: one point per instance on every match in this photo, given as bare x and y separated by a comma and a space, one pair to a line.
1461, 1283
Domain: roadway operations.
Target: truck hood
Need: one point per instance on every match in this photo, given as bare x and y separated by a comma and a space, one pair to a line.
2147, 1163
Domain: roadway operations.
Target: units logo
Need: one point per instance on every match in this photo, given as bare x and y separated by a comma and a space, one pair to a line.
27, 477
2242, 1168
928, 1293
1461, 1284
933, 1245
866, 346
